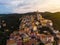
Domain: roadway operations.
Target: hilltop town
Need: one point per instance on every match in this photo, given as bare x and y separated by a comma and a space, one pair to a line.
31, 29
34, 30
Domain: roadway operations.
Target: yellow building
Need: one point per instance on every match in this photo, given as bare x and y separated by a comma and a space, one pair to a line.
44, 22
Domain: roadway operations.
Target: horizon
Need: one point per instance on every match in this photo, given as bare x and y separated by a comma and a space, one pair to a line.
31, 12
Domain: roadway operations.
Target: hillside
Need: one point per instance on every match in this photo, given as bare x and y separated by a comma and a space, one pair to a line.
55, 17
13, 22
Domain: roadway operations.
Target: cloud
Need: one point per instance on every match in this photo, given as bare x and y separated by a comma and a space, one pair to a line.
23, 6
41, 5
7, 6
29, 6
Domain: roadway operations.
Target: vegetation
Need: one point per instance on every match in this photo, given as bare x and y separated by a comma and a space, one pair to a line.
13, 20
55, 17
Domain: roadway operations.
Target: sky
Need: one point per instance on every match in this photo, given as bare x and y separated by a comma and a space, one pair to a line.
24, 6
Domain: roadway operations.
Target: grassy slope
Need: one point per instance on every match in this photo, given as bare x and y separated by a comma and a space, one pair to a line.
55, 17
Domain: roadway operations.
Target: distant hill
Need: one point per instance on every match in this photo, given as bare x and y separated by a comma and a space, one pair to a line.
55, 17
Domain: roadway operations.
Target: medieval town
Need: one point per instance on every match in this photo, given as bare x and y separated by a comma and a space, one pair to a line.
34, 30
